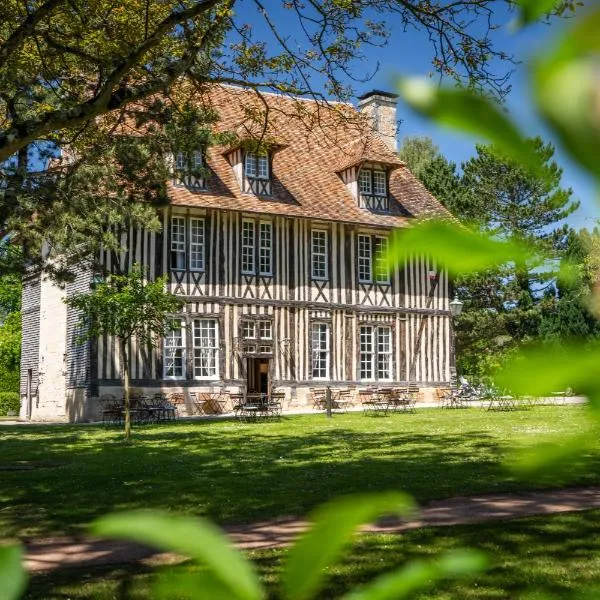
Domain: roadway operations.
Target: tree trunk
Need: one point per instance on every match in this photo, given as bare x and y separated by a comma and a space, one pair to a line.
125, 359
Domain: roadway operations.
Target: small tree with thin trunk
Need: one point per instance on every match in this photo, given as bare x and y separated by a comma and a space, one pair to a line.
126, 307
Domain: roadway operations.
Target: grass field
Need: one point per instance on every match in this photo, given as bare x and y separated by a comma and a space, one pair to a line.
557, 556
56, 479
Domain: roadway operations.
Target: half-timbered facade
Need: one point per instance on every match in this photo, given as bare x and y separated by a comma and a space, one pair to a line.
278, 257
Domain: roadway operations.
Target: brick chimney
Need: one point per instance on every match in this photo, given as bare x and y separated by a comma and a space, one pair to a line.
380, 107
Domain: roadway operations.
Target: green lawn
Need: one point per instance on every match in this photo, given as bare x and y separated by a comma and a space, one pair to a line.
56, 479
557, 555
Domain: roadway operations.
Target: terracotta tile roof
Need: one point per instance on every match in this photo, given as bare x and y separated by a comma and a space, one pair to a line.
315, 143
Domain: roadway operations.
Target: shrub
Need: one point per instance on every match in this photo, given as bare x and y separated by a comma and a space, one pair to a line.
9, 401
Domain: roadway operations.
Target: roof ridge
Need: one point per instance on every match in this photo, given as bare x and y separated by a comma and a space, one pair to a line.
285, 96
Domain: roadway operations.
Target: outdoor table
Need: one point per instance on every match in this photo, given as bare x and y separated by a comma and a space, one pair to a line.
212, 403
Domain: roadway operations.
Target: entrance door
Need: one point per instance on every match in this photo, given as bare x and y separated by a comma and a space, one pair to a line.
257, 375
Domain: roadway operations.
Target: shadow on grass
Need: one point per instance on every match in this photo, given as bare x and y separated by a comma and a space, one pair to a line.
555, 555
239, 473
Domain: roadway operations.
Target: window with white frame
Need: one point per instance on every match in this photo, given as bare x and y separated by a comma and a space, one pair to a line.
256, 165
265, 330
319, 254
320, 350
379, 183
372, 259
265, 248
375, 353
178, 243
174, 350
248, 245
364, 182
366, 352
364, 258
372, 182
384, 353
206, 350
184, 161
197, 239
380, 264
248, 330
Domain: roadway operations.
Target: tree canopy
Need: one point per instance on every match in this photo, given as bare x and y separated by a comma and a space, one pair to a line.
64, 63
517, 301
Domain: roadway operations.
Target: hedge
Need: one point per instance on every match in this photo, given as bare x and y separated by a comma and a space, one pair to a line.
9, 401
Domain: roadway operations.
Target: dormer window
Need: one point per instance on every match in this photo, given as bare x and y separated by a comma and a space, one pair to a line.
372, 187
257, 165
257, 173
187, 166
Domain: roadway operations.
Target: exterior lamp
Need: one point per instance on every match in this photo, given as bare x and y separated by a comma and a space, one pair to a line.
456, 307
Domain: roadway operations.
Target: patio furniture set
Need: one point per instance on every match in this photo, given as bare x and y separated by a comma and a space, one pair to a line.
374, 401
487, 397
143, 409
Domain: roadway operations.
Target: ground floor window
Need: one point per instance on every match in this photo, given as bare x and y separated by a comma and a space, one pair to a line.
375, 352
206, 350
320, 350
174, 350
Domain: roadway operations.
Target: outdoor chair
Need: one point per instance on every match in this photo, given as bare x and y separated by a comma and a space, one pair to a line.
111, 409
275, 404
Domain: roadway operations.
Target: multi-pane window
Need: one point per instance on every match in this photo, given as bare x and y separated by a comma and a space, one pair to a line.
191, 162
206, 351
174, 350
197, 244
384, 352
248, 244
265, 330
319, 254
178, 243
372, 181
380, 267
194, 247
250, 258
364, 258
379, 183
256, 165
320, 350
372, 259
375, 352
364, 181
248, 330
265, 249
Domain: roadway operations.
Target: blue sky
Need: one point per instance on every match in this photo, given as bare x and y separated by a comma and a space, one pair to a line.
410, 53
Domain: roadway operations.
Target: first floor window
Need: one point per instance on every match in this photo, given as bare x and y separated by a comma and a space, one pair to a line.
174, 350
372, 259
364, 258
248, 247
197, 244
375, 352
319, 254
178, 243
380, 268
320, 351
205, 348
265, 249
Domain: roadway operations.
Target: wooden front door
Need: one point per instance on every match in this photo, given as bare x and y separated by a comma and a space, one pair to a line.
257, 375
